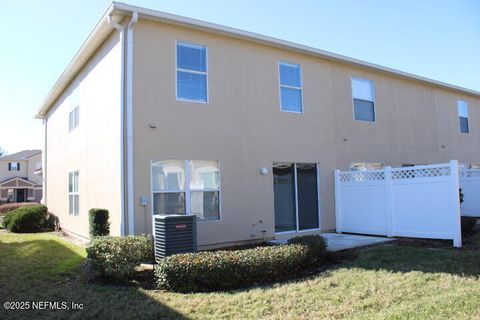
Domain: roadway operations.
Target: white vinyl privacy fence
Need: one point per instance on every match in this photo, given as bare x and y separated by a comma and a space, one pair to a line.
419, 201
470, 184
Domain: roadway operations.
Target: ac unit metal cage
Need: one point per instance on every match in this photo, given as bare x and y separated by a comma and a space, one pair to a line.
174, 234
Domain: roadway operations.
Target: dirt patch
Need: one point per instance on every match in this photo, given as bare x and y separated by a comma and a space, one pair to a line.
67, 237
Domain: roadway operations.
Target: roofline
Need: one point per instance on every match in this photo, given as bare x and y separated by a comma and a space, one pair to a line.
15, 178
120, 10
39, 153
20, 159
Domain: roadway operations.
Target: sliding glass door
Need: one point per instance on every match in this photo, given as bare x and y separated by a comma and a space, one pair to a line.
295, 187
284, 197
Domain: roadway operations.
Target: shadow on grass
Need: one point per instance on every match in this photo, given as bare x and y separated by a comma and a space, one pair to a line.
36, 269
397, 258
400, 258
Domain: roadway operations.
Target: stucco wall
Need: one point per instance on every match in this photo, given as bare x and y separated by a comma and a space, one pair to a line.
242, 125
93, 148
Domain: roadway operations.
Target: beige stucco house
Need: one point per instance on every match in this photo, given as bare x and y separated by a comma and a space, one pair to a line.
161, 114
21, 177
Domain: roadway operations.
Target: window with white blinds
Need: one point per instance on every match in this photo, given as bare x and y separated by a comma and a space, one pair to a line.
290, 87
192, 77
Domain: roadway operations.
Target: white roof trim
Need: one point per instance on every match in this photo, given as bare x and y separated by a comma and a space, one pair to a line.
17, 178
120, 10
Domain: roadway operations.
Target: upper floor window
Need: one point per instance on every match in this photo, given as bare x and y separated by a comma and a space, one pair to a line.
463, 116
290, 87
14, 166
73, 118
192, 73
74, 104
363, 94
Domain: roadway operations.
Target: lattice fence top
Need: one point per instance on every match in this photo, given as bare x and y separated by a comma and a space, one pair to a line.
412, 173
362, 176
472, 173
409, 173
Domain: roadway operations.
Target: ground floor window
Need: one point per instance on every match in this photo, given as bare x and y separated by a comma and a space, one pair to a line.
73, 194
11, 195
186, 187
296, 197
363, 166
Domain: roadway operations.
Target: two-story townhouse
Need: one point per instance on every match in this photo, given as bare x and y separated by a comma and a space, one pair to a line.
21, 177
161, 114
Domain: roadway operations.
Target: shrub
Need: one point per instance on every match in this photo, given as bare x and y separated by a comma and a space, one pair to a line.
27, 219
224, 270
316, 245
98, 222
117, 257
4, 208
468, 223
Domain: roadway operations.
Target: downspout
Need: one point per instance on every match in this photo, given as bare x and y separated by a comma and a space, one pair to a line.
127, 216
129, 124
120, 28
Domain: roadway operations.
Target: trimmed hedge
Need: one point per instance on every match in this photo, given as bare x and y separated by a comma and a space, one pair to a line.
98, 222
225, 270
117, 257
4, 208
468, 223
30, 218
316, 244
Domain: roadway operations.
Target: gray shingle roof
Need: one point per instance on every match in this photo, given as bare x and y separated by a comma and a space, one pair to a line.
22, 155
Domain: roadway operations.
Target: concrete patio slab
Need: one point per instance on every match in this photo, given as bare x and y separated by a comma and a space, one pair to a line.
339, 241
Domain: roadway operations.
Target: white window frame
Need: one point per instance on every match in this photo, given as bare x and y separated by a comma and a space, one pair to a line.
74, 118
191, 71
73, 193
458, 116
280, 85
366, 166
17, 166
374, 98
187, 189
11, 194
319, 199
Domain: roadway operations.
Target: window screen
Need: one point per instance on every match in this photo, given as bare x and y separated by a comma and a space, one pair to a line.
363, 99
290, 87
191, 72
463, 116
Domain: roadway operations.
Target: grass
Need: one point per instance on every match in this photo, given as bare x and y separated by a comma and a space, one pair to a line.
384, 282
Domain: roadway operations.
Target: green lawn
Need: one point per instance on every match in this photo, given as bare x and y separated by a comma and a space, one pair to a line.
389, 281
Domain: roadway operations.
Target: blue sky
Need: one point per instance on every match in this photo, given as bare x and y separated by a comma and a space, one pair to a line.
432, 38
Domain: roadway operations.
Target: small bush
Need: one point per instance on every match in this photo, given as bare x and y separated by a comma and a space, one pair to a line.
4, 208
98, 222
315, 243
468, 223
225, 270
27, 219
117, 257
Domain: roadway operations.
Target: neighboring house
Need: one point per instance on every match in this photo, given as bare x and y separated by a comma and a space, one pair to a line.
21, 177
161, 114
